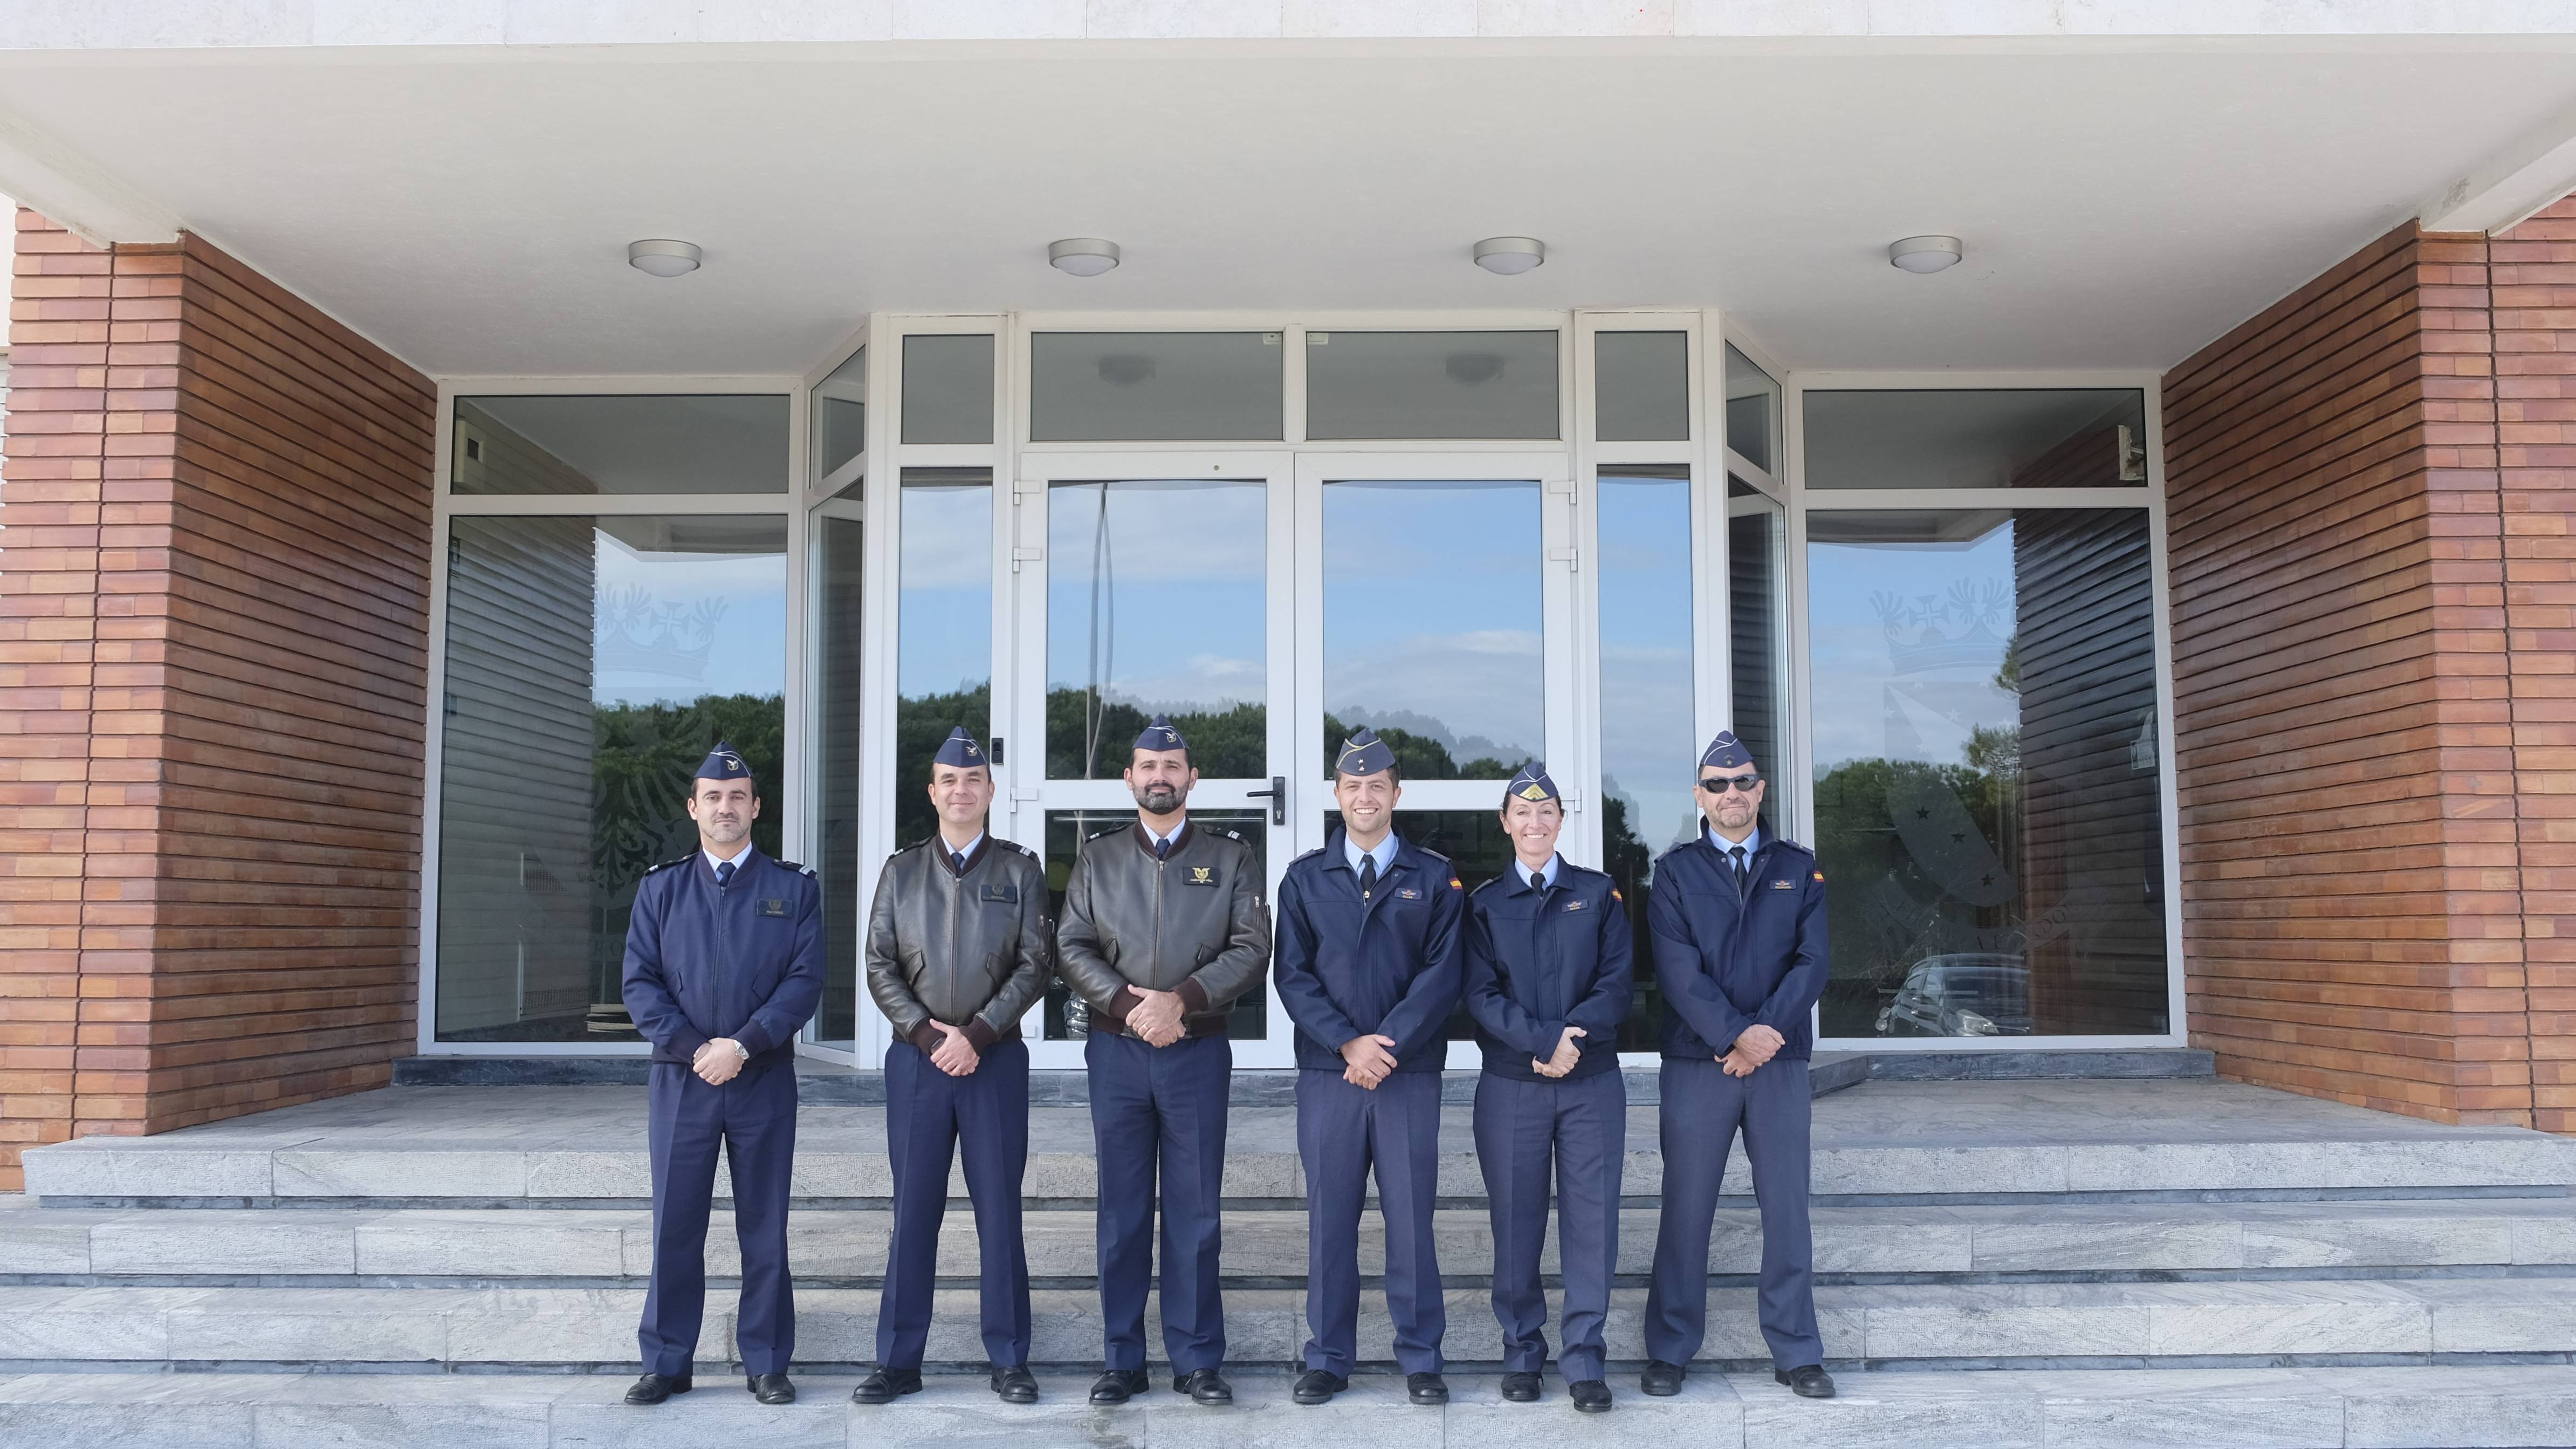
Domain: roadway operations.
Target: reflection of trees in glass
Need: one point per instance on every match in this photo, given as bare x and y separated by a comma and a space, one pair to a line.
1418, 754
644, 757
1890, 905
1630, 862
1090, 737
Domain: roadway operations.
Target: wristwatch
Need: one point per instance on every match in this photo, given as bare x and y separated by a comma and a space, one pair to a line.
741, 1053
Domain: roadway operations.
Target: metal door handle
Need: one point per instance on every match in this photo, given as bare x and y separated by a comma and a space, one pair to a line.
1277, 795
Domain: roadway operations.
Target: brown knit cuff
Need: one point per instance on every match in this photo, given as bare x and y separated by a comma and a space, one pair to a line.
1194, 997
927, 1036
1124, 1002
980, 1035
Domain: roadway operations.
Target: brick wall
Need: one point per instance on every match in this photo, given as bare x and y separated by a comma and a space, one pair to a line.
2371, 687
213, 659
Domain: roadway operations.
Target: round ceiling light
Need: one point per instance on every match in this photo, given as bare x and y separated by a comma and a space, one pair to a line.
664, 258
1082, 256
1509, 256
1924, 253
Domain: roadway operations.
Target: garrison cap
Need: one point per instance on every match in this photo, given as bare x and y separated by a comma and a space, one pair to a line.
1363, 754
959, 749
1531, 783
1161, 736
1726, 752
724, 762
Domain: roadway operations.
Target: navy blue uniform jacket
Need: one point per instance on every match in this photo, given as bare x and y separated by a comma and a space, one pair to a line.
1389, 967
1539, 962
1727, 964
743, 961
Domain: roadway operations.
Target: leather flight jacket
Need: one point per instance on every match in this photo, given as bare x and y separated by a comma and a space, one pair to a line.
971, 948
1192, 923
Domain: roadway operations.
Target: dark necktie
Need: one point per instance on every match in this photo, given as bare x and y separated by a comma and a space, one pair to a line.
1736, 852
724, 874
1537, 881
1368, 875
957, 861
1163, 847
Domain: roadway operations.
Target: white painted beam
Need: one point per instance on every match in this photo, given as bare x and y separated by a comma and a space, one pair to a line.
40, 171
2504, 191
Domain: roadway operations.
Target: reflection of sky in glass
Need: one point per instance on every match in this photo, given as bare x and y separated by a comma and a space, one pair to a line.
1164, 605
1646, 746
1905, 640
676, 626
945, 616
1432, 612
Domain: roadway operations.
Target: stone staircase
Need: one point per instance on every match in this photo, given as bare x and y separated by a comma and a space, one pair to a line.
2066, 1262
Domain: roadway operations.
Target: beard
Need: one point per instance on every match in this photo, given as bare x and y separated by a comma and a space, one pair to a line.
1160, 798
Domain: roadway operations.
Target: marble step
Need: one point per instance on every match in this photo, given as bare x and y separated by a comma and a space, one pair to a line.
2037, 1325
2383, 1408
843, 1244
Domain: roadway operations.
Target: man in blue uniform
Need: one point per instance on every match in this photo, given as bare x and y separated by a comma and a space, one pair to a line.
958, 949
1738, 922
1548, 979
724, 964
1368, 968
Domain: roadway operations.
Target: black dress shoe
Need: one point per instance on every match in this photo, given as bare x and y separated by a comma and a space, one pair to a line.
1521, 1388
1204, 1386
1426, 1388
1591, 1396
886, 1385
1117, 1386
1661, 1379
1015, 1385
1811, 1382
771, 1388
654, 1388
1317, 1386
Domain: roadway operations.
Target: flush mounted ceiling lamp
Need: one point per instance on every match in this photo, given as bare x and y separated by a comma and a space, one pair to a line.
1509, 256
664, 258
1924, 253
1082, 256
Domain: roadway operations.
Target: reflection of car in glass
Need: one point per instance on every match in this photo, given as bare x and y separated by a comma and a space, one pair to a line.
1969, 993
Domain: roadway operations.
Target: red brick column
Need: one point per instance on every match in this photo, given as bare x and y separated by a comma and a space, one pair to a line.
213, 651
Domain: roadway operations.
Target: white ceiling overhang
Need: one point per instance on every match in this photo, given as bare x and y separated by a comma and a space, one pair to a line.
2124, 197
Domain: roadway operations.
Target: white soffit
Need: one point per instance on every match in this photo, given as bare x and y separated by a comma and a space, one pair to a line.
2122, 203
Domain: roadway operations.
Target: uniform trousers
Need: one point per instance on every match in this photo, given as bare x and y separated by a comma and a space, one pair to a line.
1576, 1133
931, 1119
1343, 1134
753, 1118
1703, 1110
1158, 1118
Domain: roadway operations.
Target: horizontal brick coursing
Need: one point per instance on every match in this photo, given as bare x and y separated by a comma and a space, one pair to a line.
213, 649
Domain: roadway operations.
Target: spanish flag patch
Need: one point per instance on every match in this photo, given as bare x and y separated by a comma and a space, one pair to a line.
1820, 877
1614, 894
1453, 884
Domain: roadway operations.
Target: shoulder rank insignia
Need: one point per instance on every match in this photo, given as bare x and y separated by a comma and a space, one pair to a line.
666, 865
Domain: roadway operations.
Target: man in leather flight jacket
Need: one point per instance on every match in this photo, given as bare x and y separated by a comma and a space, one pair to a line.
1164, 929
958, 948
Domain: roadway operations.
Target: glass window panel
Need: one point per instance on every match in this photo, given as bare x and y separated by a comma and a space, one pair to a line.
841, 415
943, 628
1752, 411
591, 663
1757, 620
1648, 744
1067, 1015
1478, 851
1431, 385
948, 389
1977, 438
1432, 620
677, 443
1641, 387
1105, 386
1157, 603
1987, 790
837, 709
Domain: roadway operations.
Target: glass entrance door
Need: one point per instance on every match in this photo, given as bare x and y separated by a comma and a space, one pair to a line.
1148, 585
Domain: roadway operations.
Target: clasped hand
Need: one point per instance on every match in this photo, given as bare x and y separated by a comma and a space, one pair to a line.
1566, 1057
1369, 1060
1156, 1017
1755, 1048
955, 1054
716, 1062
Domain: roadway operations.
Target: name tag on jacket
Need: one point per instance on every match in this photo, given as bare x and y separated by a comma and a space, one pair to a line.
773, 908
1007, 894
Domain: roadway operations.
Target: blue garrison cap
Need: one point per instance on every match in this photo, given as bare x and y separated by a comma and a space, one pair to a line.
1531, 783
959, 749
724, 762
1363, 754
1726, 752
1161, 736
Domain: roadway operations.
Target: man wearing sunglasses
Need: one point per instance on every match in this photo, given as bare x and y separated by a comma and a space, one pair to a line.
1738, 921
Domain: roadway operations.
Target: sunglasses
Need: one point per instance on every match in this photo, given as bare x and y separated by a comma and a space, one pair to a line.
1720, 784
